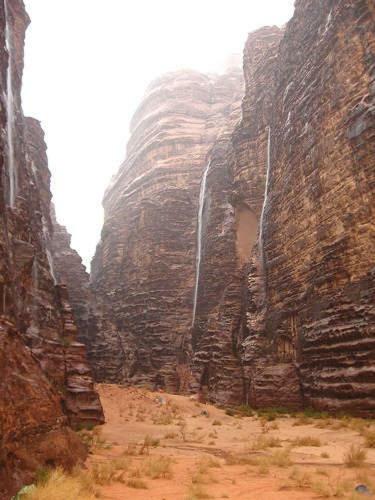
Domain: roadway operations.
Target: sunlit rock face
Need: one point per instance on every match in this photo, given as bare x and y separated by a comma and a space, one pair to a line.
45, 383
143, 273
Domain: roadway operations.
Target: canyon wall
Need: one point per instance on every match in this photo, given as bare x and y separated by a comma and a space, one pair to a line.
45, 382
317, 239
238, 260
143, 273
233, 205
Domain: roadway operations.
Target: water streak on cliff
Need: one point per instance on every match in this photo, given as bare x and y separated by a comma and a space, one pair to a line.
202, 193
261, 222
10, 112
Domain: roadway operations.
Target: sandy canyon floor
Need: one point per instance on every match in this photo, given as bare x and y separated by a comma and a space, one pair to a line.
160, 446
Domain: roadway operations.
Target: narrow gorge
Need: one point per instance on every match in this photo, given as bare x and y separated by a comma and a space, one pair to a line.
236, 260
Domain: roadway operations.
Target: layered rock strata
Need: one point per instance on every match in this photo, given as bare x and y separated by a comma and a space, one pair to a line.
276, 245
144, 269
300, 167
45, 383
232, 210
317, 235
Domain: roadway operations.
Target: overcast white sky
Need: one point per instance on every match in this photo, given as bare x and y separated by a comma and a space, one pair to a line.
87, 65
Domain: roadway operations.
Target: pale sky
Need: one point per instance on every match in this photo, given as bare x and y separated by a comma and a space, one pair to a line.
87, 65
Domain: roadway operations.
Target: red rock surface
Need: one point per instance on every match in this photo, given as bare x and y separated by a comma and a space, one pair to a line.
285, 311
45, 382
144, 269
318, 224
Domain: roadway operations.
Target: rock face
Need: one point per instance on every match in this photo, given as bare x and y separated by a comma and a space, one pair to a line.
233, 203
144, 268
45, 382
70, 270
301, 167
268, 226
317, 235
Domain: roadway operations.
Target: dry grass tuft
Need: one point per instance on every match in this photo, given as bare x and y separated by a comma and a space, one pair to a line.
148, 442
158, 467
61, 486
263, 442
307, 441
369, 436
355, 456
136, 483
197, 492
302, 420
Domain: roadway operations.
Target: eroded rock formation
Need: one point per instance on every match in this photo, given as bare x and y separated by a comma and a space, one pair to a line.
144, 268
274, 222
45, 382
301, 162
318, 241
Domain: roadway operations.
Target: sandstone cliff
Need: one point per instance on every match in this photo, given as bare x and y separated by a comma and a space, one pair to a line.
300, 164
240, 262
143, 273
316, 241
45, 383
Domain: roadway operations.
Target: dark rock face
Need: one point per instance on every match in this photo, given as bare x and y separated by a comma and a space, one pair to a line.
233, 203
318, 234
45, 383
144, 268
70, 270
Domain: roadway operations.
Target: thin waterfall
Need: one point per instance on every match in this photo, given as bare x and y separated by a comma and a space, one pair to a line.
10, 113
261, 222
202, 193
35, 280
49, 255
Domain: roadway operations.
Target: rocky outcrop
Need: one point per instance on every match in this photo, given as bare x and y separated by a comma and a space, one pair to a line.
302, 197
70, 270
53, 336
45, 383
317, 232
263, 235
143, 273
232, 207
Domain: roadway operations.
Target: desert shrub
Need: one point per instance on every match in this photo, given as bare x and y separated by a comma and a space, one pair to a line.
300, 479
148, 442
312, 413
302, 419
103, 473
183, 429
136, 483
62, 486
217, 422
245, 411
271, 414
280, 458
306, 441
158, 467
42, 475
164, 418
369, 436
263, 442
197, 492
355, 456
